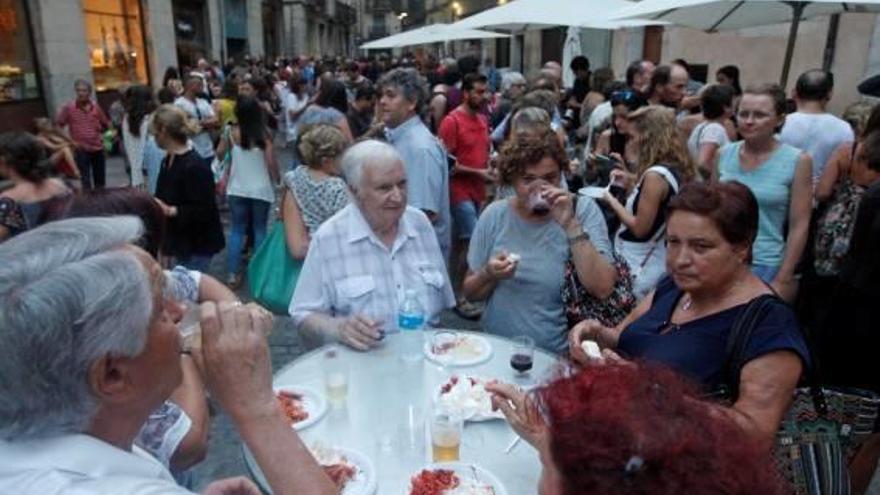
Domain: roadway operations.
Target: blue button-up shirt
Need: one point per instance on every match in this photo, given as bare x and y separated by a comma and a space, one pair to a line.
427, 174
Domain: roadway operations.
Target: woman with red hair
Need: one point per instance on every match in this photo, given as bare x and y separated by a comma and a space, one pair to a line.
634, 429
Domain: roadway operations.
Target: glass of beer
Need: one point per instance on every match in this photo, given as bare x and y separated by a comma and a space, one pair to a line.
335, 376
446, 429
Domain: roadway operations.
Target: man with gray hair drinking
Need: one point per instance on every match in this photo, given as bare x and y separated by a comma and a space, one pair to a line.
91, 348
363, 260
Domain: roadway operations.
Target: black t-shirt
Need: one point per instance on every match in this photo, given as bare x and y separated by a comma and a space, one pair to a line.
188, 184
698, 348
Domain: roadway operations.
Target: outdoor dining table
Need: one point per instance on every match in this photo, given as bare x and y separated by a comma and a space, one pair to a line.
389, 402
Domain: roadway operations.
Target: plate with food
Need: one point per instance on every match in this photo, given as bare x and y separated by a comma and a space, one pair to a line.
303, 406
455, 478
466, 396
457, 349
352, 472
594, 192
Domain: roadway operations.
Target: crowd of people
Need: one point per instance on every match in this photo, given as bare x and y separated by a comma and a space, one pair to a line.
646, 214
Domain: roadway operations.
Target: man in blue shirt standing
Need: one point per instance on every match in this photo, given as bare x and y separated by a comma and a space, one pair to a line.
401, 98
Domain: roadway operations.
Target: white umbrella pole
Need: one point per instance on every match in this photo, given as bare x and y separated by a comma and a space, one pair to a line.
797, 12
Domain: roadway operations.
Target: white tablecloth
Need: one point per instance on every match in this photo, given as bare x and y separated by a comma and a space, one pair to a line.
388, 403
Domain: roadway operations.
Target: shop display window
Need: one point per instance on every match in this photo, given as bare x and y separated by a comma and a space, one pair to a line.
115, 40
18, 68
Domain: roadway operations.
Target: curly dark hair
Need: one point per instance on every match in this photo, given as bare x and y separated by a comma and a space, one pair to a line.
519, 154
23, 153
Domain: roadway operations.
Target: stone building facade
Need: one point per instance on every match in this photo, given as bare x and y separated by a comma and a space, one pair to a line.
316, 27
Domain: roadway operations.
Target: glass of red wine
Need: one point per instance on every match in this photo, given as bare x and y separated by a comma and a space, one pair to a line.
521, 359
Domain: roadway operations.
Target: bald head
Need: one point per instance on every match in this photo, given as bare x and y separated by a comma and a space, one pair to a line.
814, 85
668, 83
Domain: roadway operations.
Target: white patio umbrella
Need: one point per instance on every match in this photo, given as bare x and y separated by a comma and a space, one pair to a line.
430, 34
718, 15
570, 50
522, 15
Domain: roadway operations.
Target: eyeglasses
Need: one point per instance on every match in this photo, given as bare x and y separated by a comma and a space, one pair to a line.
748, 115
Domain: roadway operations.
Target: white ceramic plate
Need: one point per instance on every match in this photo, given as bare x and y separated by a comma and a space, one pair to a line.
467, 471
468, 412
364, 481
453, 357
314, 403
592, 192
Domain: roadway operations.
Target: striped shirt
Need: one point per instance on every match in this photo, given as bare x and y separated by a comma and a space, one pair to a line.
348, 271
85, 124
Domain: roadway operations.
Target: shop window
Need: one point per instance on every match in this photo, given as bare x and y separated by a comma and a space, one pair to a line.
115, 39
18, 73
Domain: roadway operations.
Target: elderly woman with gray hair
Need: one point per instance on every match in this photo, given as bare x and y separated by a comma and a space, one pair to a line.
362, 260
513, 86
91, 348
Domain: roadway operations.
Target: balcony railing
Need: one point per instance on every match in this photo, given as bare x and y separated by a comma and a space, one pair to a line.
378, 6
345, 14
377, 32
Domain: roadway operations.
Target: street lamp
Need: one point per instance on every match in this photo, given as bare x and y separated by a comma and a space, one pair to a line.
456, 10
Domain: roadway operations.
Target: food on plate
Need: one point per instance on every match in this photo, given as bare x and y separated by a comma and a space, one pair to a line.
466, 396
591, 349
433, 482
340, 474
292, 405
447, 482
458, 347
336, 466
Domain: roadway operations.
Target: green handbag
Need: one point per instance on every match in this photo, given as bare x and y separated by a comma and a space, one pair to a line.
272, 272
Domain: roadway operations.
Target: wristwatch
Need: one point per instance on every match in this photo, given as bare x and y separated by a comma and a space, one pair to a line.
582, 237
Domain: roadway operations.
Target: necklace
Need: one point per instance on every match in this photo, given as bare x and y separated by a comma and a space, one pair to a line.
686, 304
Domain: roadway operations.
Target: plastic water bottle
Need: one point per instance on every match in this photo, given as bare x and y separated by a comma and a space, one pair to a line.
411, 321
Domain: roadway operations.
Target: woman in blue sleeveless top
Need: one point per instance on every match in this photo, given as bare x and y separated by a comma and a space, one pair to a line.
779, 176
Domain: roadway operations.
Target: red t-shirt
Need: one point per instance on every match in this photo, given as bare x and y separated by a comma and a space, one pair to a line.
467, 138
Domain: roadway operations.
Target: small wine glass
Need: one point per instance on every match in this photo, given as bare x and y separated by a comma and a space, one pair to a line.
522, 356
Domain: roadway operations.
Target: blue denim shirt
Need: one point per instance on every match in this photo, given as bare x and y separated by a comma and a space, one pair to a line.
427, 174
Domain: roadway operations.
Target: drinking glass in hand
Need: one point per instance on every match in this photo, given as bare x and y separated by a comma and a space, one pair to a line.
523, 354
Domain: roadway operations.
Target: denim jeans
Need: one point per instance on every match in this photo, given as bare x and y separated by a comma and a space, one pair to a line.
244, 212
92, 168
464, 216
765, 272
197, 262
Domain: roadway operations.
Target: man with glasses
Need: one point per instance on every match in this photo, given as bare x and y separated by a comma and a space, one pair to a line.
465, 133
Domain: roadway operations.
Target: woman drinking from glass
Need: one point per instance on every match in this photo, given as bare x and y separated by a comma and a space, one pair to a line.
521, 244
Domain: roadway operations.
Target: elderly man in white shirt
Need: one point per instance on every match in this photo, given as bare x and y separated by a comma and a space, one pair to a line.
91, 348
363, 259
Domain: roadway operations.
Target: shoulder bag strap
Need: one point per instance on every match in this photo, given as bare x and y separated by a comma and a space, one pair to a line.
737, 340
673, 183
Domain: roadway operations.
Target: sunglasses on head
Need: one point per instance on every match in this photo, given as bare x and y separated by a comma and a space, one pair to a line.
623, 96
